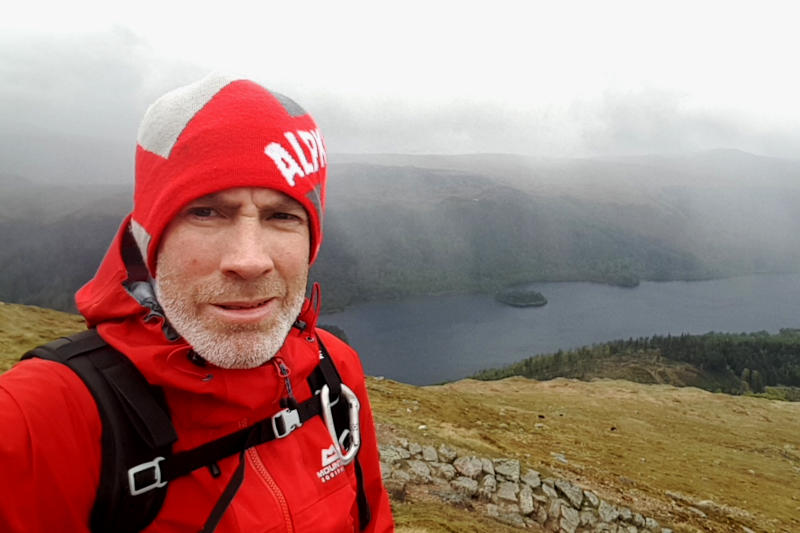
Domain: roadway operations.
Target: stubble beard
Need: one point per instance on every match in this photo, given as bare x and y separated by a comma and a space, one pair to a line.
224, 344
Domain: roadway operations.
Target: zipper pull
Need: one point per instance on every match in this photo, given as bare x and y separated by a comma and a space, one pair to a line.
283, 371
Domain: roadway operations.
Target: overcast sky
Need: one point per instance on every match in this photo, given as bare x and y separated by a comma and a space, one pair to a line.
565, 78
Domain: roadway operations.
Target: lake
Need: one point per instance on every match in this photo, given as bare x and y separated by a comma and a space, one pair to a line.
430, 339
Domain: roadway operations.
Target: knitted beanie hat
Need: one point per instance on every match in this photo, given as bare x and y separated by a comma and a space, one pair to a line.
219, 133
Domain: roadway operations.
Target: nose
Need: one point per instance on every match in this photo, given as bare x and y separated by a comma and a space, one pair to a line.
246, 251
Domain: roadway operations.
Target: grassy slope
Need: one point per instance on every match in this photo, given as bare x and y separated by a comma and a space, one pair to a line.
735, 458
23, 327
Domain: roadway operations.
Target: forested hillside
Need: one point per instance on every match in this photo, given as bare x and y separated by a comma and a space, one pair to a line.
735, 363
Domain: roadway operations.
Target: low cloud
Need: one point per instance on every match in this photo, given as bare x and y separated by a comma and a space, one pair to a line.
70, 106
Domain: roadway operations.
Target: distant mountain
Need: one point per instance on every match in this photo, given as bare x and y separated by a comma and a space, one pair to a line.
477, 222
426, 224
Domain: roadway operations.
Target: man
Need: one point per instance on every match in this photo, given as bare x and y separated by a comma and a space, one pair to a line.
203, 290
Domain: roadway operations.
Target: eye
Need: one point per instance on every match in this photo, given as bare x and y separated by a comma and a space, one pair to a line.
285, 216
201, 212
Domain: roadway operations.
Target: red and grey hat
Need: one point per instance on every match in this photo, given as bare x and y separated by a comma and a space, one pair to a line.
218, 133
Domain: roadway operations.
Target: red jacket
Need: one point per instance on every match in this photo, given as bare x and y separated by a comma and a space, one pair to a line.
50, 432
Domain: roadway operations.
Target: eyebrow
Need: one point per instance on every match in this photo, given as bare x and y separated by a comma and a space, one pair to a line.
217, 200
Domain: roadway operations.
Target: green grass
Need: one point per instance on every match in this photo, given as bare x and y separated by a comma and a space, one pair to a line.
734, 457
23, 327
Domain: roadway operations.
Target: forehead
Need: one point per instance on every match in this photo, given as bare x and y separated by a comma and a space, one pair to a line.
260, 196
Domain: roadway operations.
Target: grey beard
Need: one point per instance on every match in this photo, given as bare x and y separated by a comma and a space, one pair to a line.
227, 347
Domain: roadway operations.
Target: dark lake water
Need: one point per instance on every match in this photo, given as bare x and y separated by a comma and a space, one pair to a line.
424, 340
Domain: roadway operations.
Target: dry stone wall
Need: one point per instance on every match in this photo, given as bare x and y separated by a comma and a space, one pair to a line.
505, 491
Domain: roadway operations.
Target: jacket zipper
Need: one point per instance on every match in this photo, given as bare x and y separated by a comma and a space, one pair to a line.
259, 467
256, 462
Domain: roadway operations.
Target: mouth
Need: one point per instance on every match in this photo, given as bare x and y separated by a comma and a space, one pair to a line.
244, 312
238, 306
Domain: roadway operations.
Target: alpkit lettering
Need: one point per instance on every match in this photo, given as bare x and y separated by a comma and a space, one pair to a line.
298, 165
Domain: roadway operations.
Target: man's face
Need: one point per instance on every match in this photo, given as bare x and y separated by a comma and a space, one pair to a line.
231, 274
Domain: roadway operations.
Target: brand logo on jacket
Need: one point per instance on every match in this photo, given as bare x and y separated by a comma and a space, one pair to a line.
331, 465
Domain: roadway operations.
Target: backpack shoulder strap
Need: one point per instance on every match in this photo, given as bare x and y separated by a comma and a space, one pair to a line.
136, 428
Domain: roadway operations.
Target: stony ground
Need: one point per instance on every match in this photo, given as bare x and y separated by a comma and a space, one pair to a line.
692, 460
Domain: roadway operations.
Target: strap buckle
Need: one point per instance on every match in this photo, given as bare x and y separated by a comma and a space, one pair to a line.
347, 456
148, 475
288, 419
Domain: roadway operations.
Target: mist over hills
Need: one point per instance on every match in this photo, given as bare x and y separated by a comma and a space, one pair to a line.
426, 224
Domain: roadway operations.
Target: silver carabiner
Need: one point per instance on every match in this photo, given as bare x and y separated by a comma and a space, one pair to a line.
354, 406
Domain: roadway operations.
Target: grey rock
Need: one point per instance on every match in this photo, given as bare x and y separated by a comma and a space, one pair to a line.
541, 515
487, 487
468, 466
570, 519
573, 493
588, 518
429, 454
509, 507
419, 471
386, 470
489, 481
403, 443
540, 498
402, 475
638, 520
507, 491
414, 449
444, 470
607, 512
389, 454
525, 500
531, 478
554, 509
452, 498
651, 523
591, 498
512, 519
464, 485
549, 491
628, 529
626, 514
487, 466
508, 468
446, 455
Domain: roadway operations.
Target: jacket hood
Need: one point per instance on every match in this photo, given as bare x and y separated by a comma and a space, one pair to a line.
104, 297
